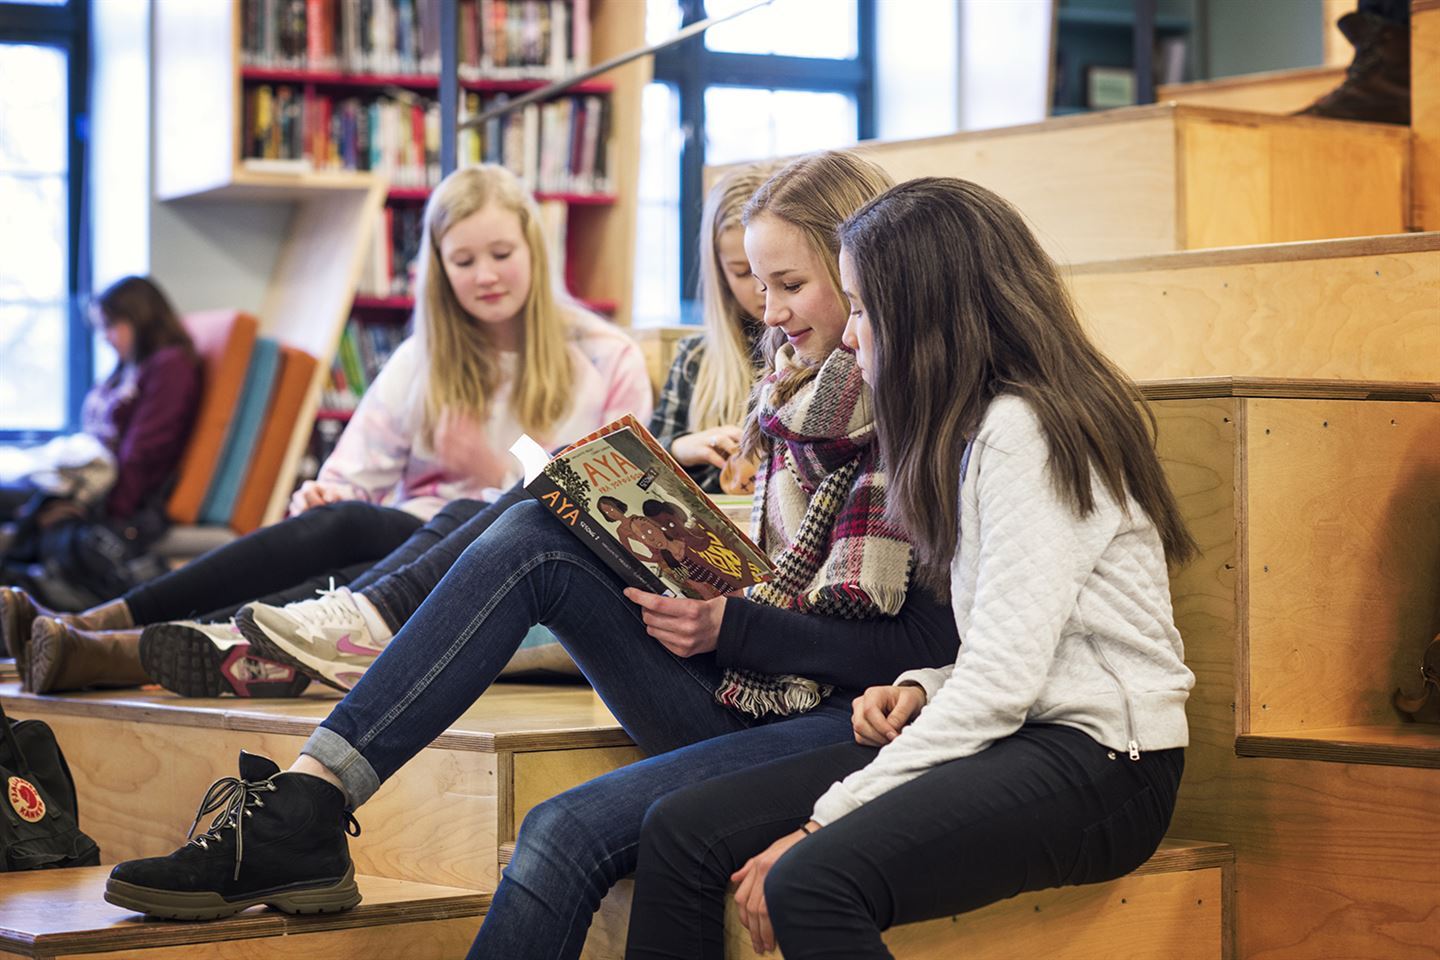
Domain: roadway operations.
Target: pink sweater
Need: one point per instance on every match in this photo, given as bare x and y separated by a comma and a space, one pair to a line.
381, 457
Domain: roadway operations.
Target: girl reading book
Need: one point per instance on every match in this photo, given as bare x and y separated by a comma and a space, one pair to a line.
497, 351
704, 687
697, 417
1050, 751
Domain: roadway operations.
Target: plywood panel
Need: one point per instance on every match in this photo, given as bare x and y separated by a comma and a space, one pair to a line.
1343, 506
1329, 859
1115, 196
1276, 91
1363, 316
1226, 199
1254, 179
433, 940
62, 912
658, 346
1336, 179
1425, 113
1338, 51
196, 92
140, 783
543, 774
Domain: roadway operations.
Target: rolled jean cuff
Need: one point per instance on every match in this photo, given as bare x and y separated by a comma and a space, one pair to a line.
343, 760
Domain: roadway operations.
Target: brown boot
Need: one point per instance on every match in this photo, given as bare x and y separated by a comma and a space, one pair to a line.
19, 610
62, 657
1377, 83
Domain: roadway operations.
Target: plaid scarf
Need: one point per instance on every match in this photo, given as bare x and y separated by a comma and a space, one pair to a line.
821, 491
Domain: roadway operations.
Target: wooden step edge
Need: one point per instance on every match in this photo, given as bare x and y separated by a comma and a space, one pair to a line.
1392, 745
1166, 91
504, 852
1383, 245
1199, 388
227, 715
53, 899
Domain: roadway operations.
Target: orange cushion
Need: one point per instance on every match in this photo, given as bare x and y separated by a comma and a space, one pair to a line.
224, 340
292, 386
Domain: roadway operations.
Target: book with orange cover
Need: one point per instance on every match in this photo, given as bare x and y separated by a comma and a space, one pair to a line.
224, 339
292, 385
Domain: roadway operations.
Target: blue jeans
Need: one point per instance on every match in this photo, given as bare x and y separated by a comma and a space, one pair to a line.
527, 569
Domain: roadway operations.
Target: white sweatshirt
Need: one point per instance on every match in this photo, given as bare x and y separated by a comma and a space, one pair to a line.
1062, 619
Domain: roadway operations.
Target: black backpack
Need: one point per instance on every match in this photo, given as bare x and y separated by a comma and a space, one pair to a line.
39, 826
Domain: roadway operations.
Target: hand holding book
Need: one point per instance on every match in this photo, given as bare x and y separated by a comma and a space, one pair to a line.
637, 509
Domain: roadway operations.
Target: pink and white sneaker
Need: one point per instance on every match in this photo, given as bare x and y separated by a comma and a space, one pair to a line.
328, 638
211, 659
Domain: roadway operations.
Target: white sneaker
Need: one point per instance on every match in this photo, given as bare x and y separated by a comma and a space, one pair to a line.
211, 659
328, 638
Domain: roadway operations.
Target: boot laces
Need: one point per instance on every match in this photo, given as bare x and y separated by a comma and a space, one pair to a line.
238, 798
234, 798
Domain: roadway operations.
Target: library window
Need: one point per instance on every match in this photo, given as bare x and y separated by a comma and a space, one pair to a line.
794, 76
43, 374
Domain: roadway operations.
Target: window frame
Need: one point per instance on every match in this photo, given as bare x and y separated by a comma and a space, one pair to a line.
690, 68
66, 27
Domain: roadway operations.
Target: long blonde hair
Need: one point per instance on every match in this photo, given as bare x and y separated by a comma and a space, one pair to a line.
459, 352
815, 194
727, 367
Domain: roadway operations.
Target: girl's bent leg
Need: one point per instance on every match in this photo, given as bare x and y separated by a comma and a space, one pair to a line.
526, 569
1045, 807
397, 585
273, 558
574, 847
695, 838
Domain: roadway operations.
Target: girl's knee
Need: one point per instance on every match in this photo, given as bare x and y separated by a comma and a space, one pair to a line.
673, 829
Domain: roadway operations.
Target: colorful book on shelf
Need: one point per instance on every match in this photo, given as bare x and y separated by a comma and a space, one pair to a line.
244, 432
292, 386
631, 504
224, 339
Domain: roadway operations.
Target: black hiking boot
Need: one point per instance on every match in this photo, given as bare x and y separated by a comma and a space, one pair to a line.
279, 839
1377, 82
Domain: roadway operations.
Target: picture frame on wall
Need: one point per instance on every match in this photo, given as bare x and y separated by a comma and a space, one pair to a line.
1107, 87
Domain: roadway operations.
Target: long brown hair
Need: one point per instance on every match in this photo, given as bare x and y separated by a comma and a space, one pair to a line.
461, 361
964, 305
814, 194
140, 302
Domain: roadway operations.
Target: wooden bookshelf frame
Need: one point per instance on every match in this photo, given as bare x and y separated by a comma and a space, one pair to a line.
199, 114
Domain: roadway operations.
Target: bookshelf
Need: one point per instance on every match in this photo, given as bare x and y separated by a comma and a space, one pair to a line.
206, 84
1093, 35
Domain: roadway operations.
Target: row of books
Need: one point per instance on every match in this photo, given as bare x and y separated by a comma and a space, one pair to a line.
501, 39
562, 146
363, 350
396, 137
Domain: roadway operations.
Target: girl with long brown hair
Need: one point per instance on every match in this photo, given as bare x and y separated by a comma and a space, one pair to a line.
1050, 752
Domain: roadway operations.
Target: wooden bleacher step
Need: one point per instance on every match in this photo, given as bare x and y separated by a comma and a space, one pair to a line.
1365, 309
61, 914
1274, 91
143, 758
1313, 503
1175, 906
1157, 179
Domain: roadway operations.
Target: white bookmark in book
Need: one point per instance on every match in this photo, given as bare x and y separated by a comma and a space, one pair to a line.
531, 455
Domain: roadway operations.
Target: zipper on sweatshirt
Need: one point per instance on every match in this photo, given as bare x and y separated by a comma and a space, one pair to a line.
1132, 745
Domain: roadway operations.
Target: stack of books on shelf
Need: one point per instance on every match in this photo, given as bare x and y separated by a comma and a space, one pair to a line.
389, 269
561, 146
396, 137
499, 39
364, 348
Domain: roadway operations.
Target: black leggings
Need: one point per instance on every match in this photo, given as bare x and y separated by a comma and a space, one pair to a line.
1045, 807
285, 561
